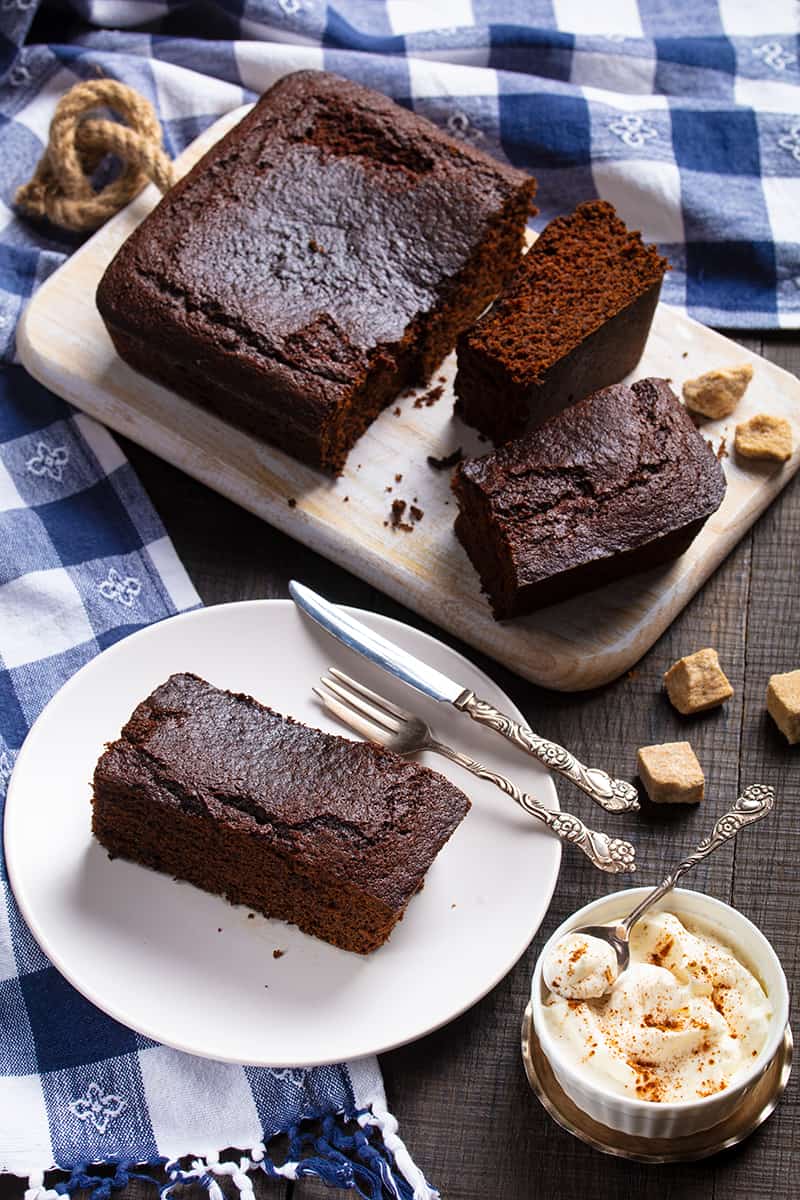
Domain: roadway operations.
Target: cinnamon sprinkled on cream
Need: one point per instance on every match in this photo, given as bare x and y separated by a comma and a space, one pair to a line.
681, 1023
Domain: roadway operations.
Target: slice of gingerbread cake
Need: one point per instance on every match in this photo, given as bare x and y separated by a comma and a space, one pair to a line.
617, 483
332, 835
574, 318
324, 255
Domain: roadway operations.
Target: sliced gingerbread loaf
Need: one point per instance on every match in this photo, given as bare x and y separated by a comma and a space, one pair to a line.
322, 256
574, 318
332, 835
617, 483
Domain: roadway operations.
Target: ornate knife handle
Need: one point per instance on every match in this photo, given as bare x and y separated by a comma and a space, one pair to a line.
614, 795
608, 854
754, 803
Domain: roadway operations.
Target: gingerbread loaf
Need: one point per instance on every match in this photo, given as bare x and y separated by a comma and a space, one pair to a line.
332, 835
617, 483
324, 255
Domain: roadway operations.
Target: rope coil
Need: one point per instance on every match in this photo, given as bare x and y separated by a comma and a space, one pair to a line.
61, 188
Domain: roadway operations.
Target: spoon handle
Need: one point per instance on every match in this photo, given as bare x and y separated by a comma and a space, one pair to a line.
753, 804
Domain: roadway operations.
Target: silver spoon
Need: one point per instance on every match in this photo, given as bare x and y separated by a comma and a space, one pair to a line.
753, 804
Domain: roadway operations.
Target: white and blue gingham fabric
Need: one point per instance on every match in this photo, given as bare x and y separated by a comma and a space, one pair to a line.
683, 113
84, 561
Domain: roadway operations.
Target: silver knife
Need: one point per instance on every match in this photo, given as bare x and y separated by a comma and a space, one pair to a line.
614, 795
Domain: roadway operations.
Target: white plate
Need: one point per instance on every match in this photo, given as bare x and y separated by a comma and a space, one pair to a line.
188, 969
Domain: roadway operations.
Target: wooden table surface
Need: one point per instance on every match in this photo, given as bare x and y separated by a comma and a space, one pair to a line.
460, 1095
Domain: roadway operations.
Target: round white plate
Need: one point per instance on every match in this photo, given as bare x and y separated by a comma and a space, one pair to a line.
186, 968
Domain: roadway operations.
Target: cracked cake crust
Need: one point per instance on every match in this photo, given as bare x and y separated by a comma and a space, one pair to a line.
617, 483
321, 257
212, 787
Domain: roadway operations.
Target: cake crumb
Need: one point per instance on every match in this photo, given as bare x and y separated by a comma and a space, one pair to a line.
397, 411
398, 478
396, 517
219, 929
722, 449
783, 704
388, 489
428, 398
251, 916
442, 378
764, 436
278, 953
345, 500
292, 502
449, 460
697, 682
716, 393
671, 773
685, 354
416, 513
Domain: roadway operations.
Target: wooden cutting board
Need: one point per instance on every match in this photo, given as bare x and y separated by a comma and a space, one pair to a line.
579, 644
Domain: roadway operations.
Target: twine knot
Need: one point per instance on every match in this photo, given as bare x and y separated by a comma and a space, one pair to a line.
61, 188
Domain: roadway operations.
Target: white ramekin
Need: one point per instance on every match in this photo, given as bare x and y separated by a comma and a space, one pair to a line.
642, 1117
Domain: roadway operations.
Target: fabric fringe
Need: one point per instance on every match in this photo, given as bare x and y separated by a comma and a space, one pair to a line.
371, 1161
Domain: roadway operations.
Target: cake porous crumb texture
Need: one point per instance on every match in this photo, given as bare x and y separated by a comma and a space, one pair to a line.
617, 483
320, 258
332, 835
574, 318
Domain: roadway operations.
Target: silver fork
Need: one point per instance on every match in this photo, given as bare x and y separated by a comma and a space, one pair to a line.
379, 720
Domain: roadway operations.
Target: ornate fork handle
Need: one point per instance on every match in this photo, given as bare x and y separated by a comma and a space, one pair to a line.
614, 795
754, 803
608, 854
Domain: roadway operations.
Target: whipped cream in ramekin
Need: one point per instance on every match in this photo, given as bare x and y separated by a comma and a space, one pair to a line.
681, 1023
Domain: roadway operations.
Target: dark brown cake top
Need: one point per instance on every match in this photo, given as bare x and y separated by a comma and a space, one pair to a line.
317, 229
583, 269
347, 807
608, 474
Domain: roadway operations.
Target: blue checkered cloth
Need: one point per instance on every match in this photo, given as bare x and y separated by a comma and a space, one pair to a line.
685, 115
84, 561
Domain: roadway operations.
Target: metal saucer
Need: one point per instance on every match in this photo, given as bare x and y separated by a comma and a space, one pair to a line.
752, 1112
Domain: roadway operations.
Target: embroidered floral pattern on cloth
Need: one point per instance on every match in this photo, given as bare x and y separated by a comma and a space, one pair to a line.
659, 108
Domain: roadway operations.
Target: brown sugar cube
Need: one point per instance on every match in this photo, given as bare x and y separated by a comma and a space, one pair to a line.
717, 393
671, 773
764, 436
783, 704
697, 682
